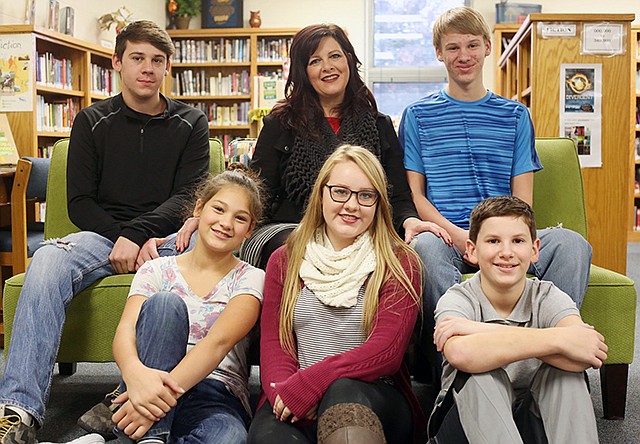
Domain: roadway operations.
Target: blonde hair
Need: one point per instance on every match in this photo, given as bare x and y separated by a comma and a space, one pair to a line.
461, 20
388, 246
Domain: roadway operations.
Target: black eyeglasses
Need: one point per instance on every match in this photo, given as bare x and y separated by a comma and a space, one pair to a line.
339, 194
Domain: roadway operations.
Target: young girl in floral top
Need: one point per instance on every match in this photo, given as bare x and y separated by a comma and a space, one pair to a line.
182, 342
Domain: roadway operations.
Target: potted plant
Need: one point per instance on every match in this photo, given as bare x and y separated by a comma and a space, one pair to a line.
184, 10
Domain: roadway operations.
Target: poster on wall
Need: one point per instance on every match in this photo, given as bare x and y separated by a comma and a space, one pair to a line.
581, 110
16, 72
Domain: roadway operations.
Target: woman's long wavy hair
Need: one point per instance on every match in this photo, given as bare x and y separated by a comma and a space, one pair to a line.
301, 105
388, 246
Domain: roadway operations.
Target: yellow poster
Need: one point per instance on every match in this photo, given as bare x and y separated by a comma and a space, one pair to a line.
8, 151
16, 72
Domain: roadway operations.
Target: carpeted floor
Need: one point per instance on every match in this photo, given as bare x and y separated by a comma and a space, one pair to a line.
73, 395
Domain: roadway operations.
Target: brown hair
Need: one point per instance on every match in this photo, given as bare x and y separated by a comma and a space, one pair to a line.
461, 20
499, 207
144, 31
302, 104
236, 176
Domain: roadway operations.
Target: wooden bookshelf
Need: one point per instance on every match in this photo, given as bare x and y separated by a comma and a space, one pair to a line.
79, 91
503, 33
530, 73
634, 230
214, 70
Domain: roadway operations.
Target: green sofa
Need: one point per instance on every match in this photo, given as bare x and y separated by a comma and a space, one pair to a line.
610, 301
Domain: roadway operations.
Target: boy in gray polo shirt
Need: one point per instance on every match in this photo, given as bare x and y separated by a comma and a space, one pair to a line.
515, 347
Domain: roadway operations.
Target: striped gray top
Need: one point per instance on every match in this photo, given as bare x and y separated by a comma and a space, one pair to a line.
322, 330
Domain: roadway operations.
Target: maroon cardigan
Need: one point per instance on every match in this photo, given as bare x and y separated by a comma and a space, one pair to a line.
379, 356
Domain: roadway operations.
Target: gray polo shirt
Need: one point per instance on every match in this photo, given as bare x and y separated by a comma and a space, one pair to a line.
542, 305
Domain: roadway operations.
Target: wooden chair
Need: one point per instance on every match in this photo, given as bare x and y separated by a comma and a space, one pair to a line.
94, 313
23, 238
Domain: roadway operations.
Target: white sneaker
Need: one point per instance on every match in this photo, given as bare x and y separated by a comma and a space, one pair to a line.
92, 438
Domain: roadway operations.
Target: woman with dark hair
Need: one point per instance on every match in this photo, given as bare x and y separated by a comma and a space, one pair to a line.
327, 104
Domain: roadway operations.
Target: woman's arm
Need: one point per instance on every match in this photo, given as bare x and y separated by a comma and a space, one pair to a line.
266, 159
380, 355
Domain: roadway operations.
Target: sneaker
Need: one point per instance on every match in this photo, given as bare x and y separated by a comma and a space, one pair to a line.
14, 431
98, 418
92, 438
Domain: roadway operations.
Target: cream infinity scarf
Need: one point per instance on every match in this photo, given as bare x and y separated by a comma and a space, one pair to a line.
335, 277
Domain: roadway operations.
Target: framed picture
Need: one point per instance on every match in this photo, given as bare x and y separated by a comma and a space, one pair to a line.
222, 14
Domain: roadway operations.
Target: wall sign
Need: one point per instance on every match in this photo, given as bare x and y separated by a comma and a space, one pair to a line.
557, 30
603, 38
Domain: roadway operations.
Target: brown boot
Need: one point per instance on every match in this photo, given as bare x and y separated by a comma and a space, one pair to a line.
350, 424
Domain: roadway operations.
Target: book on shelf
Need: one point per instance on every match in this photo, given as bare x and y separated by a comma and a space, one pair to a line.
222, 50
273, 49
51, 71
104, 81
224, 115
199, 82
8, 151
55, 115
66, 20
45, 150
240, 150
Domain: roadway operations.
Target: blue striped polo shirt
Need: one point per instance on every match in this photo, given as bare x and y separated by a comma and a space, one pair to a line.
467, 151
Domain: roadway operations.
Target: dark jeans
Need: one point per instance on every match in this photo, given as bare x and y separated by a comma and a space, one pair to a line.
383, 399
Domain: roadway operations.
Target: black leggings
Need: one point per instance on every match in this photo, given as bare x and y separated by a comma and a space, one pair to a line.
383, 399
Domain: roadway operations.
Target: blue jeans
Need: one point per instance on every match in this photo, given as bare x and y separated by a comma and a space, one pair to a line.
208, 412
565, 259
59, 270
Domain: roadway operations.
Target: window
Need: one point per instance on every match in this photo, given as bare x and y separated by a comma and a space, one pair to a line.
402, 65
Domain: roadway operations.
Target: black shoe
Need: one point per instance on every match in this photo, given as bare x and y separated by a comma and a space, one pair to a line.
98, 418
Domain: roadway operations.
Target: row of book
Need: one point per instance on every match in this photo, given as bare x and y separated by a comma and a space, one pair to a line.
636, 226
52, 71
229, 115
273, 50
45, 150
212, 51
200, 83
55, 115
638, 82
105, 81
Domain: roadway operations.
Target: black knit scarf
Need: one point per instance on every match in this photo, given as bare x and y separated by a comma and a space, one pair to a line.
308, 153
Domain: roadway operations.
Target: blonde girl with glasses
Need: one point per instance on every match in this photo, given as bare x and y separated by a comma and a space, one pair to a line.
340, 302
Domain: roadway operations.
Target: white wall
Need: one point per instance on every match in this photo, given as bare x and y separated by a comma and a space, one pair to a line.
86, 14
349, 14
